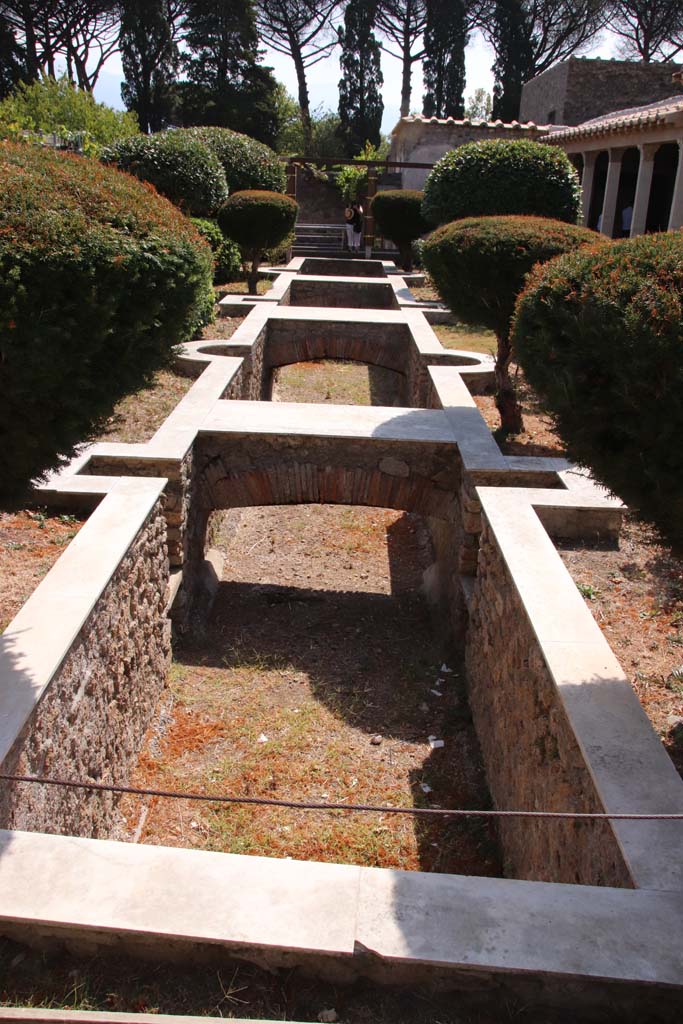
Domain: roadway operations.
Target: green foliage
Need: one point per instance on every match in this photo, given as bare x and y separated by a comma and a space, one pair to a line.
360, 88
600, 337
478, 266
444, 62
178, 165
479, 106
497, 177
150, 61
257, 221
12, 60
398, 216
228, 86
247, 164
55, 105
352, 181
226, 253
99, 279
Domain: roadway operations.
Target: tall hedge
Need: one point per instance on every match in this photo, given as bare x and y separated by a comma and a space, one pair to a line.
600, 337
100, 278
179, 166
479, 265
398, 216
257, 221
247, 164
499, 177
227, 260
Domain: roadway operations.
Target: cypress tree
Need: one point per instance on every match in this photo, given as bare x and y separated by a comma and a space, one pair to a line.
445, 40
150, 62
227, 86
514, 64
12, 59
360, 96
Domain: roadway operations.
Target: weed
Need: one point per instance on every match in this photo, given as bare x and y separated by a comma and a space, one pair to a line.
587, 590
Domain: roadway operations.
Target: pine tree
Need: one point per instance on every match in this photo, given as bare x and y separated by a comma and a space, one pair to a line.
360, 95
150, 61
446, 36
12, 60
227, 85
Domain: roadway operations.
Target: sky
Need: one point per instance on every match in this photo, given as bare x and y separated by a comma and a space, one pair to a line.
323, 78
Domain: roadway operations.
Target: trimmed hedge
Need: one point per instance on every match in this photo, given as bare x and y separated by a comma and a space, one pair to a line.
497, 177
600, 337
398, 216
479, 265
180, 167
226, 254
247, 164
100, 278
257, 221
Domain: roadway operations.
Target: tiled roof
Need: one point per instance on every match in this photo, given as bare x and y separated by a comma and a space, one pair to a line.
623, 121
469, 122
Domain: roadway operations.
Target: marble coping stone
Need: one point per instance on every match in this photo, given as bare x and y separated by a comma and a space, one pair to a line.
631, 770
37, 1015
282, 911
37, 640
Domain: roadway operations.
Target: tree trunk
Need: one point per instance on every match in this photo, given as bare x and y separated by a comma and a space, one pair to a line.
303, 96
406, 253
506, 398
406, 86
252, 277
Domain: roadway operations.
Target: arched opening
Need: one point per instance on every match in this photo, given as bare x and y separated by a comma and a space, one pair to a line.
577, 160
342, 381
628, 179
598, 191
662, 188
320, 674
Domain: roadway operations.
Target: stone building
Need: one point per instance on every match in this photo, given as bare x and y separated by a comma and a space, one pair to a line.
580, 89
631, 167
424, 140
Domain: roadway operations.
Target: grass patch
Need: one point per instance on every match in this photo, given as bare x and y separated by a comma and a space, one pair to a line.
466, 336
337, 381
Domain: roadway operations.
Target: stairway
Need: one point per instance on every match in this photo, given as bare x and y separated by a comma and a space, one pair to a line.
319, 240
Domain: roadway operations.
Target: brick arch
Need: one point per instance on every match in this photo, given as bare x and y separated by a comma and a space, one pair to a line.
374, 344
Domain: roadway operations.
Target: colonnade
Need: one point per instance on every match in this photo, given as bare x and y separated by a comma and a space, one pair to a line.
616, 205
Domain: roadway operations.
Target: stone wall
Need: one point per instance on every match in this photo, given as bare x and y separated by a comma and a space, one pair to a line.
579, 89
341, 294
532, 758
93, 716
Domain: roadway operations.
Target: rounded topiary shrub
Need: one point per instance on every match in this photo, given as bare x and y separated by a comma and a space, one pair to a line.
247, 164
257, 221
226, 253
497, 177
100, 278
398, 216
600, 337
479, 265
180, 167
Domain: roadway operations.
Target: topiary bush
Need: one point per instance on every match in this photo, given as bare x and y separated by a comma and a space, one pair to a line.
180, 167
100, 278
479, 265
226, 253
247, 164
497, 177
398, 216
600, 337
257, 221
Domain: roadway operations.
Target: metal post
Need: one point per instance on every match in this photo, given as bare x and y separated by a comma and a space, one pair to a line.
369, 219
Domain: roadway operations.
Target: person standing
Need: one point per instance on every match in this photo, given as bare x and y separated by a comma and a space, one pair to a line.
357, 224
349, 217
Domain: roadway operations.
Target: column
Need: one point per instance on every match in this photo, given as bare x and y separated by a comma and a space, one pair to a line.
587, 184
369, 219
291, 179
609, 206
676, 218
642, 200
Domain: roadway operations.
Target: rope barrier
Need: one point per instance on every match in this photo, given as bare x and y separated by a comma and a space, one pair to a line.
213, 798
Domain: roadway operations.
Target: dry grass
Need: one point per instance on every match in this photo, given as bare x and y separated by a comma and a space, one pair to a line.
31, 541
344, 383
473, 338
240, 287
317, 644
138, 416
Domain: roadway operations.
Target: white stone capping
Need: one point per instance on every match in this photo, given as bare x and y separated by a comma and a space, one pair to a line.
121, 894
629, 767
35, 643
